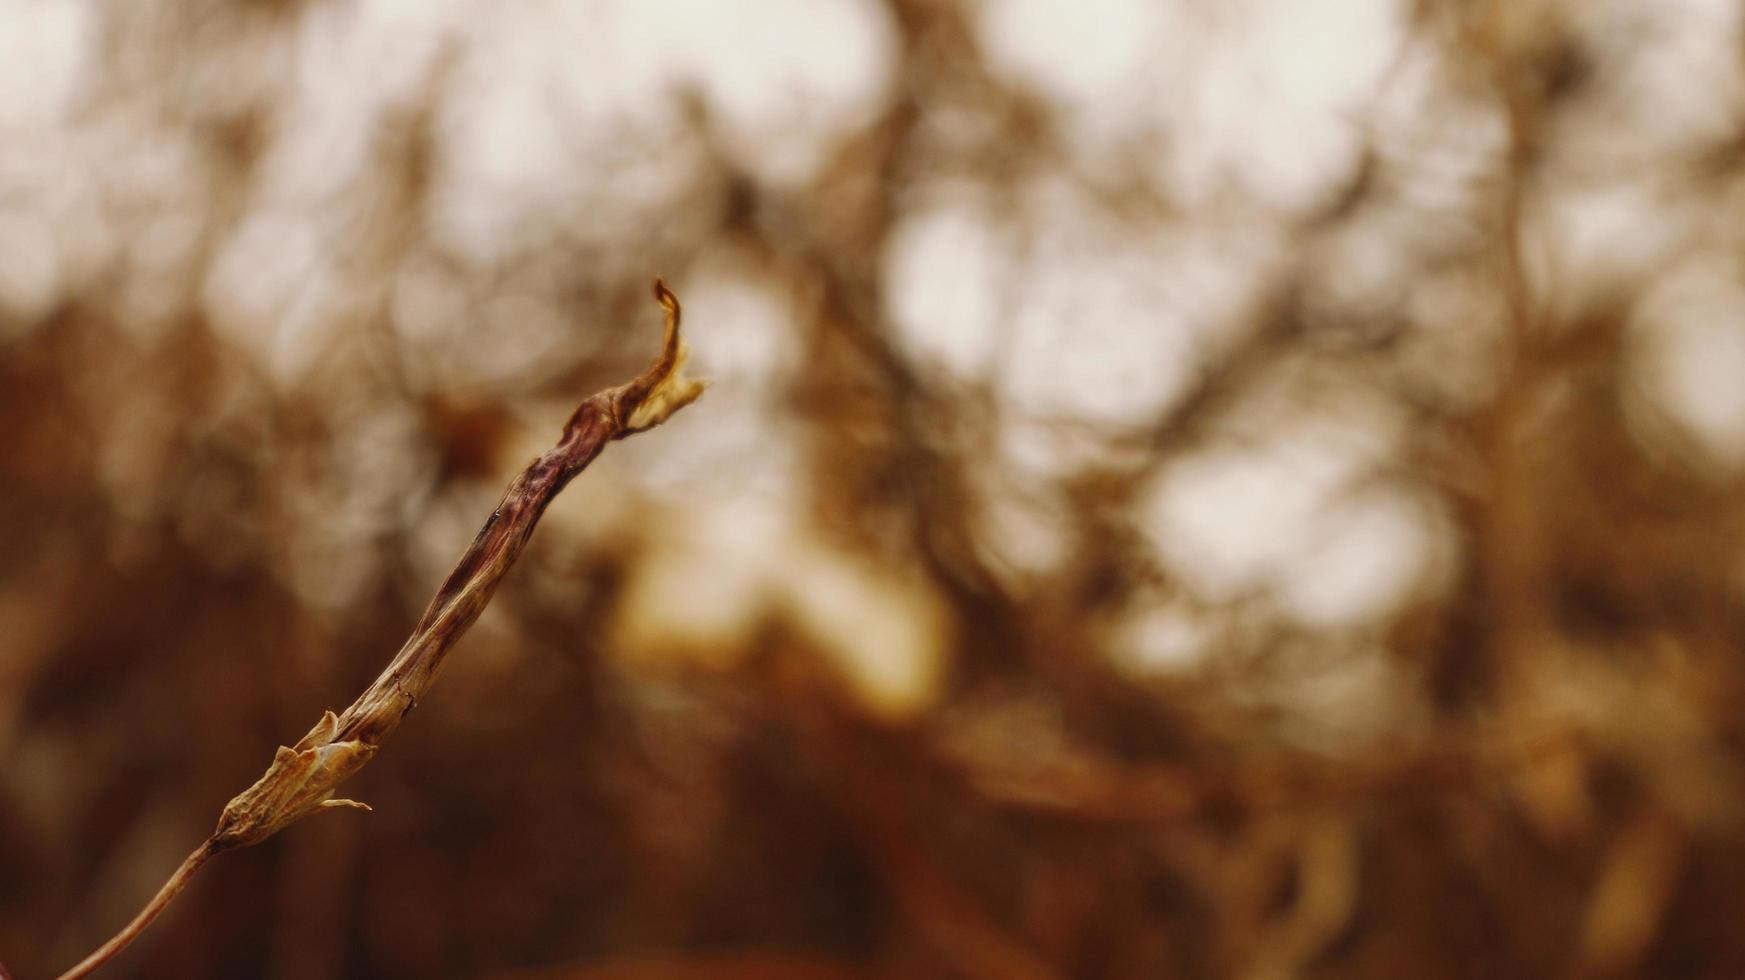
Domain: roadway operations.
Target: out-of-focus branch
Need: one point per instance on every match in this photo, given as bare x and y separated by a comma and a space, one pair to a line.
303, 778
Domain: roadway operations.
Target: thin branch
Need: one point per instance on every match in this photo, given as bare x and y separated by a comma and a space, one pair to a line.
303, 778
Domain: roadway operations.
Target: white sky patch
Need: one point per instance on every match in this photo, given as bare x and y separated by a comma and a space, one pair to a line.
948, 269
44, 49
1439, 145
1081, 53
350, 64
1588, 240
504, 162
1690, 364
1162, 639
272, 291
1094, 340
1272, 106
1077, 329
565, 100
1367, 555
743, 337
146, 221
542, 128
1261, 100
1230, 520
1227, 520
1656, 55
1086, 321
277, 281
1109, 322
750, 342
788, 78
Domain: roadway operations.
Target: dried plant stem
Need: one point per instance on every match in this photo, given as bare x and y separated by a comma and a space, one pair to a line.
129, 932
303, 778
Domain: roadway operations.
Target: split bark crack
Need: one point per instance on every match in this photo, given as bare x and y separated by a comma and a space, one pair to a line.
304, 777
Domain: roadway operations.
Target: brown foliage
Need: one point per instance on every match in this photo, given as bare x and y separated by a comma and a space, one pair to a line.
1184, 529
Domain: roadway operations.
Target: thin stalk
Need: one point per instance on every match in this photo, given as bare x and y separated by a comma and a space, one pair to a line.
303, 777
171, 888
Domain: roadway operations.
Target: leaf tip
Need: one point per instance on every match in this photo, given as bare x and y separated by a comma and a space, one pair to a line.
663, 389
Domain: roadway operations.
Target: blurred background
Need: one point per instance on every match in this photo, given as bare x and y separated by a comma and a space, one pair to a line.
1242, 489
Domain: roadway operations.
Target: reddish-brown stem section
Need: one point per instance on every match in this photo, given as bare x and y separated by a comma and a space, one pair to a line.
302, 778
153, 908
466, 591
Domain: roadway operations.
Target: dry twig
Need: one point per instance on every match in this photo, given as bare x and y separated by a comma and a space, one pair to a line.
303, 778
